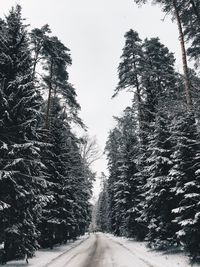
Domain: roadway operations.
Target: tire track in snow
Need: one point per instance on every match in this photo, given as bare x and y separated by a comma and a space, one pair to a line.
89, 258
64, 253
93, 256
133, 253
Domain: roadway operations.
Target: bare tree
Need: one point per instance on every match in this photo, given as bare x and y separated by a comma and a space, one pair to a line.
90, 150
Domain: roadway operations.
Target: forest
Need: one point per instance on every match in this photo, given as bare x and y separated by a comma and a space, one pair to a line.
152, 192
45, 180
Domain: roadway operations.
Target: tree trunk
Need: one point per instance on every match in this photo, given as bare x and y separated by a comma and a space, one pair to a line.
139, 100
49, 97
184, 58
34, 66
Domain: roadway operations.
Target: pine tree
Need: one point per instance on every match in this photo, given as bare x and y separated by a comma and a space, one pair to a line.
190, 16
38, 38
147, 67
174, 8
55, 58
59, 221
130, 72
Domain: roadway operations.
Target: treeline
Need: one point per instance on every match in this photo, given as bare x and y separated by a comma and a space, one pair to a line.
153, 188
45, 183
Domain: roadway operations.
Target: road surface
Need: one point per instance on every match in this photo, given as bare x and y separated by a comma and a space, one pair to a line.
99, 251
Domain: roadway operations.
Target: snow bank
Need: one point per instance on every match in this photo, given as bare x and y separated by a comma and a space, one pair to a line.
151, 257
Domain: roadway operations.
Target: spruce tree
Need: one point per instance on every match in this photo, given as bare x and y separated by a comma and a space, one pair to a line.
158, 81
185, 177
57, 216
124, 196
112, 150
20, 163
159, 198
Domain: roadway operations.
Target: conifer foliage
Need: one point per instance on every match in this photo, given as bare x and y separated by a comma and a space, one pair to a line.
153, 159
44, 186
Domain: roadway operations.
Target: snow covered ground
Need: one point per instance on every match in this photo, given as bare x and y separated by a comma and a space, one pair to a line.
151, 257
104, 250
45, 256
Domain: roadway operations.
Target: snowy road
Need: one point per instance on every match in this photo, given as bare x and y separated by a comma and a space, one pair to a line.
103, 250
99, 251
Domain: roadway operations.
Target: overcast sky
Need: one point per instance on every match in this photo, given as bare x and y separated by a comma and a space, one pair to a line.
94, 31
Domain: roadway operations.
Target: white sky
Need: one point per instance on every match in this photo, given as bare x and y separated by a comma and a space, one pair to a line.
94, 31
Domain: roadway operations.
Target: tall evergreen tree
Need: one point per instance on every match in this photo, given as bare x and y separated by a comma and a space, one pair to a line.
55, 58
159, 200
20, 163
123, 195
148, 68
112, 148
185, 177
174, 8
59, 221
57, 217
38, 38
130, 72
159, 80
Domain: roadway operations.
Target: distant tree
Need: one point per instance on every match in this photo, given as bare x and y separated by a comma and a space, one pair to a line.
89, 150
113, 155
102, 207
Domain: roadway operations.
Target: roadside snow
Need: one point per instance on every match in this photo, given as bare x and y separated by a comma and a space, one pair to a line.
45, 256
151, 257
